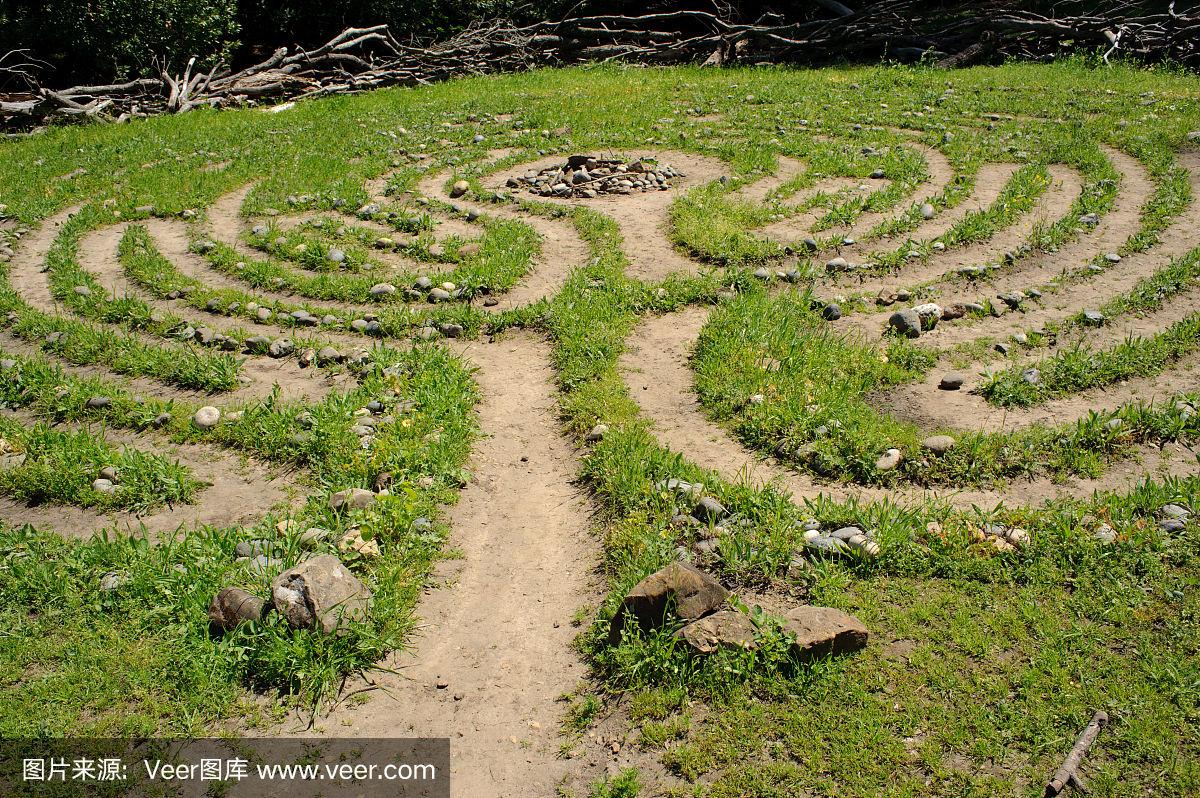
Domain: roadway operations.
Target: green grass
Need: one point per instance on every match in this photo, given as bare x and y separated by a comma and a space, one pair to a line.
1080, 368
1011, 652
817, 413
59, 467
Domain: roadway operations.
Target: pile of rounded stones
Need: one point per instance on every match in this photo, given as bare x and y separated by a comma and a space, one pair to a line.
683, 593
586, 177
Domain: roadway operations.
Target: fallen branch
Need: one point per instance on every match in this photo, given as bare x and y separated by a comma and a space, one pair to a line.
1069, 772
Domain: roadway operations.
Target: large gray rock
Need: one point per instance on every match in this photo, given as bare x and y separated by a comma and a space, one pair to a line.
686, 590
724, 629
232, 606
320, 593
906, 322
823, 631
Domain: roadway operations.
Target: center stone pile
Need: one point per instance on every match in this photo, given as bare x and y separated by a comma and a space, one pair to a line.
585, 176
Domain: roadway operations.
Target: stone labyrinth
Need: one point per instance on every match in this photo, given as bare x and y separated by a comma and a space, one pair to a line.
878, 318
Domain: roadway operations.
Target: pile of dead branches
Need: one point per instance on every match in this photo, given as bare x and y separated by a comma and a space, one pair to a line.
359, 59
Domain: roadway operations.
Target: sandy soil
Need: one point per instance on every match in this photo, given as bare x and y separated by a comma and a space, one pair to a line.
655, 366
642, 217
239, 491
493, 655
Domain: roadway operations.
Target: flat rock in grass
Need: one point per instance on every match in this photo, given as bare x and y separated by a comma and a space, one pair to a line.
105, 486
439, 295
262, 314
709, 509
1175, 511
889, 460
930, 313
1172, 524
382, 290
823, 631
351, 499
938, 444
1093, 317
113, 580
258, 344
724, 629
459, 188
232, 606
1105, 534
320, 593
327, 355
98, 402
831, 312
596, 433
206, 417
252, 548
688, 591
353, 543
109, 473
313, 537
951, 382
282, 347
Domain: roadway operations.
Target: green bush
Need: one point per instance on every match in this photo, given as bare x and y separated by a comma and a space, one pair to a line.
102, 40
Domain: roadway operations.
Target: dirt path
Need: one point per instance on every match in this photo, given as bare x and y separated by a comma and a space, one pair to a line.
98, 256
795, 228
655, 366
1094, 291
240, 490
939, 175
1065, 186
562, 248
27, 277
989, 183
25, 273
642, 217
497, 632
933, 409
758, 190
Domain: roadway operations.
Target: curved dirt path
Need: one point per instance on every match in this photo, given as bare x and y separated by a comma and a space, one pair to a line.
98, 255
655, 366
240, 490
497, 631
939, 175
1095, 290
643, 218
793, 229
27, 278
931, 408
759, 189
990, 181
1065, 185
561, 252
